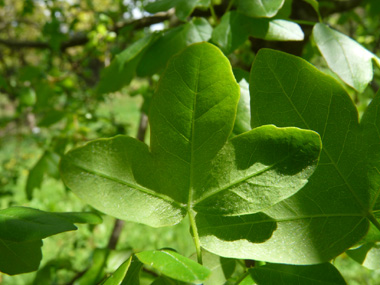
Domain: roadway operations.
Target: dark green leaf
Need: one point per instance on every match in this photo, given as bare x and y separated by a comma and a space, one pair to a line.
235, 28
348, 59
260, 8
133, 273
26, 224
282, 274
19, 257
174, 265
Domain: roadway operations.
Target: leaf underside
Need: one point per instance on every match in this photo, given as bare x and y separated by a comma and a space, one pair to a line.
191, 164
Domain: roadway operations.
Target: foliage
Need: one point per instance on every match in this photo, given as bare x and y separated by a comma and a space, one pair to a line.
271, 162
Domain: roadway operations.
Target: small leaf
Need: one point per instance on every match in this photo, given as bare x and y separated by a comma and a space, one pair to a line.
19, 257
123, 68
81, 217
174, 265
315, 5
174, 40
243, 113
47, 164
260, 8
282, 274
235, 28
118, 276
348, 59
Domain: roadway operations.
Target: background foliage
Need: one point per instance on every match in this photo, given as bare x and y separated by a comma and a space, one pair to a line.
73, 71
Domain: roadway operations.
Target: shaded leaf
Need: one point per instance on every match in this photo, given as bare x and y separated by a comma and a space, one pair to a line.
260, 8
19, 257
243, 113
235, 28
174, 265
319, 274
348, 59
95, 273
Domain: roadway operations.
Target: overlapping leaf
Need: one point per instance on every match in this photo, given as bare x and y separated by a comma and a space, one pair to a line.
348, 59
235, 28
171, 42
331, 212
190, 164
21, 231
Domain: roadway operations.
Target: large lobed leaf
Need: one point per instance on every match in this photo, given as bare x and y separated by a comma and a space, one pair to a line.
331, 212
191, 165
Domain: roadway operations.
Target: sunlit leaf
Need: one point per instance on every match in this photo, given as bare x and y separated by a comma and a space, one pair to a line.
260, 8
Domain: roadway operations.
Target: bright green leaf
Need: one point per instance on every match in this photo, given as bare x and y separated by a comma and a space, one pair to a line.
174, 40
330, 213
282, 274
19, 257
221, 268
348, 59
123, 68
190, 164
260, 8
235, 28
174, 265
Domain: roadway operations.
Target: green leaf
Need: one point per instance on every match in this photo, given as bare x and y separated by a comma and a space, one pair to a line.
22, 224
123, 68
47, 164
174, 40
183, 7
319, 274
348, 59
95, 273
118, 276
190, 164
174, 265
81, 217
243, 113
368, 255
19, 257
133, 272
330, 213
260, 8
235, 28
